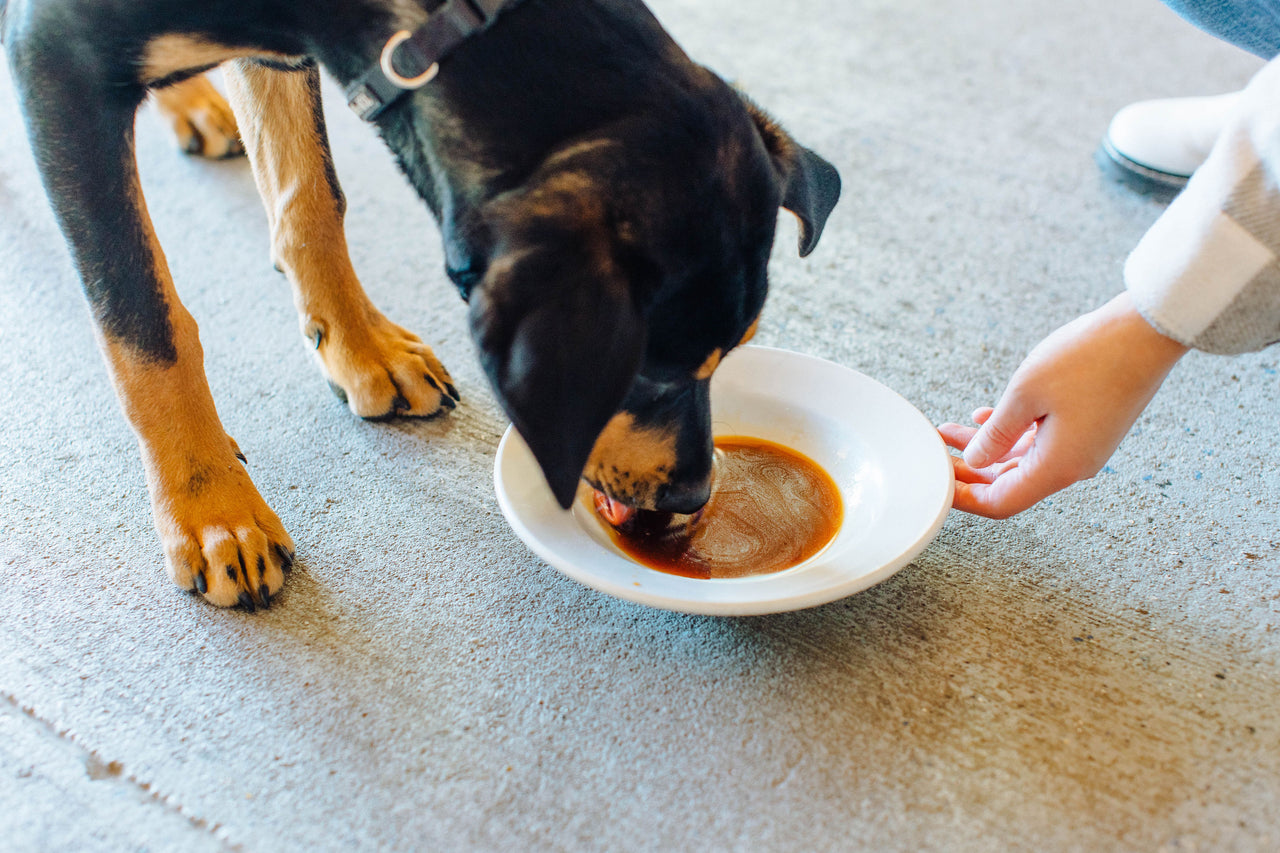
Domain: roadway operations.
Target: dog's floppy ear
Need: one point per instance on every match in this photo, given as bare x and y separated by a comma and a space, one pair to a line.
810, 185
561, 339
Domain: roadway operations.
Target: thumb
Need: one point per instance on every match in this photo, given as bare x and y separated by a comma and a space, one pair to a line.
1000, 432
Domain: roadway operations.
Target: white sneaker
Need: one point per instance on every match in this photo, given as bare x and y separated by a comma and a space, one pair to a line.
1155, 146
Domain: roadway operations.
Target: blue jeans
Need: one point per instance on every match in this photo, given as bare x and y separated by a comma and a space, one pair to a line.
1251, 24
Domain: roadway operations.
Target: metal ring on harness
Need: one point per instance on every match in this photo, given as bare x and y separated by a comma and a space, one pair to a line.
388, 53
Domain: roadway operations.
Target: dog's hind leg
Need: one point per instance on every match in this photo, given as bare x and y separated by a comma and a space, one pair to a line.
218, 534
376, 367
201, 119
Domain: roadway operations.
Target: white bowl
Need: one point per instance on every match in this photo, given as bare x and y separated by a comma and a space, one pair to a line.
893, 471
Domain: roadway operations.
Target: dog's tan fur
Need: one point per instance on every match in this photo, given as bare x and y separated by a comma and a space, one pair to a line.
629, 462
200, 118
169, 55
709, 366
219, 536
215, 528
381, 368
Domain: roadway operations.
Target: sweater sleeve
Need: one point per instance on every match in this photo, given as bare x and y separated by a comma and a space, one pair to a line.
1207, 273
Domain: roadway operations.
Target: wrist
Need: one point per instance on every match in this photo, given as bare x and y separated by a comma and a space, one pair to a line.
1151, 349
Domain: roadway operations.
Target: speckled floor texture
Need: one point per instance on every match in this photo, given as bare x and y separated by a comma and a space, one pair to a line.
1101, 673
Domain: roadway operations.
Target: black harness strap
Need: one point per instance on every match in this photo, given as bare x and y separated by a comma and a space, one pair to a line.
410, 61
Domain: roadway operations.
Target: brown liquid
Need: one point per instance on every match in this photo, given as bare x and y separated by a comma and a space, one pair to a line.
772, 508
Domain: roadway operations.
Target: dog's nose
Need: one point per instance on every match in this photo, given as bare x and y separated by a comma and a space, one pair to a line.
684, 498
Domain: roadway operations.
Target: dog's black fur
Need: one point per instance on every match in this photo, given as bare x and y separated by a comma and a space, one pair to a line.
608, 207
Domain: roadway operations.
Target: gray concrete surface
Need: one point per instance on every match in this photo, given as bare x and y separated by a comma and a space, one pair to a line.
1098, 674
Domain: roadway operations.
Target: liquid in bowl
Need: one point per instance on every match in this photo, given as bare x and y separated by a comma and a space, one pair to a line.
771, 509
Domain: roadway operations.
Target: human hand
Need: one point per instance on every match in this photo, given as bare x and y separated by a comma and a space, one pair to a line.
1067, 407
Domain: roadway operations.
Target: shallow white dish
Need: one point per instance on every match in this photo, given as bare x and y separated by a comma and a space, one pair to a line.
893, 471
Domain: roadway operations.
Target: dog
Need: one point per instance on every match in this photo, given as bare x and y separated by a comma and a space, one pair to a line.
608, 208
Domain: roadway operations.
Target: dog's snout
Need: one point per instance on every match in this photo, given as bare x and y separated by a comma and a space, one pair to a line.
684, 498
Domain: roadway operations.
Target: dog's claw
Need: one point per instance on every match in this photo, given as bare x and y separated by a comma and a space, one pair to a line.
246, 602
448, 394
380, 370
202, 585
264, 597
286, 557
453, 392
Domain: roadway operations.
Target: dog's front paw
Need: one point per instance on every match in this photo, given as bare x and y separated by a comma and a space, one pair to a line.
201, 119
381, 370
220, 538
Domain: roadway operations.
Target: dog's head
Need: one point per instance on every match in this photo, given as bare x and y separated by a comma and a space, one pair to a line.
610, 207
621, 274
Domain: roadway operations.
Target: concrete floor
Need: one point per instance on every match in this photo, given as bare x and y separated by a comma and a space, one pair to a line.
1101, 673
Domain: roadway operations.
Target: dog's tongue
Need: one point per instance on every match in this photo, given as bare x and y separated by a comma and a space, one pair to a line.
612, 511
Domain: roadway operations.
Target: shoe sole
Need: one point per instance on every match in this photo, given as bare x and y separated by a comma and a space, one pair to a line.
1153, 183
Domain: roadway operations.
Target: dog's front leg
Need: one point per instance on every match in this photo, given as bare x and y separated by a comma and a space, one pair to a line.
378, 368
218, 534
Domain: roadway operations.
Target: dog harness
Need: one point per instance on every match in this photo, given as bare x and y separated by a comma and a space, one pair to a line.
411, 60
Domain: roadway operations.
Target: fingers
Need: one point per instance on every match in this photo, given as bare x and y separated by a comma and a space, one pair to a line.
956, 436
1001, 430
1035, 468
988, 475
1003, 485
1006, 495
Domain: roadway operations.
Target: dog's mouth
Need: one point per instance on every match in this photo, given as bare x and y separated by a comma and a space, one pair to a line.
649, 522
624, 516
612, 510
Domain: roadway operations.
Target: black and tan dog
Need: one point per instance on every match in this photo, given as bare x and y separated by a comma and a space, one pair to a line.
608, 208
